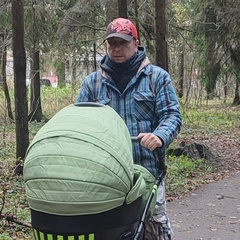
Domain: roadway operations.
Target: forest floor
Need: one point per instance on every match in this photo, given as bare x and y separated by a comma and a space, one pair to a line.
212, 210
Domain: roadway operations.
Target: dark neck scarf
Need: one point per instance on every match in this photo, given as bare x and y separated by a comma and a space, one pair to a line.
122, 73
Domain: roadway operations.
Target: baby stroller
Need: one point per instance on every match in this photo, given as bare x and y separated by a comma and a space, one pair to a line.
80, 179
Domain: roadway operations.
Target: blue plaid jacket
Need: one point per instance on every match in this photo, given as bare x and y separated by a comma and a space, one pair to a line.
148, 104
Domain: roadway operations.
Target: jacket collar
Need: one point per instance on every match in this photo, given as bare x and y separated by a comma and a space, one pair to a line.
144, 63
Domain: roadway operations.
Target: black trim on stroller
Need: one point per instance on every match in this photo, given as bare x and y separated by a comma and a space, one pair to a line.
117, 224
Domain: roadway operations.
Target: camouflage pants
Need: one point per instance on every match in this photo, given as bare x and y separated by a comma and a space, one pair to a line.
158, 226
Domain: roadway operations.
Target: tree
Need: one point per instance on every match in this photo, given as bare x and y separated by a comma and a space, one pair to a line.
35, 112
216, 33
181, 73
212, 64
122, 8
235, 57
4, 32
20, 89
179, 43
35, 105
3, 78
160, 31
80, 34
39, 28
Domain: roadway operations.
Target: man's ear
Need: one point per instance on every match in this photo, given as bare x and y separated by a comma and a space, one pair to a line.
136, 45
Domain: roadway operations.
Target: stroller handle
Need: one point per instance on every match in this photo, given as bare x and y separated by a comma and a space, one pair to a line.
88, 104
135, 139
160, 163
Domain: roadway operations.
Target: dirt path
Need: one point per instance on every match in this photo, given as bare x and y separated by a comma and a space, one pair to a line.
212, 212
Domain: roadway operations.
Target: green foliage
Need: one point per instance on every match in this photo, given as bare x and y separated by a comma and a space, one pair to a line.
213, 38
214, 117
12, 203
5, 17
54, 99
40, 25
182, 165
183, 173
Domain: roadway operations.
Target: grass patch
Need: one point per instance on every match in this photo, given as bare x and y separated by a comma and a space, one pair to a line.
211, 118
13, 203
184, 174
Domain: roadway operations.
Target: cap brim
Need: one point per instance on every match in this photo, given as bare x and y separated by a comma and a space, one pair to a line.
120, 35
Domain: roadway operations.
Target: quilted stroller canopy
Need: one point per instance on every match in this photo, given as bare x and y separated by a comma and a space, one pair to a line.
80, 162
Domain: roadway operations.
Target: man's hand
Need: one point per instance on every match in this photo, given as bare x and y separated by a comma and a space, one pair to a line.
149, 140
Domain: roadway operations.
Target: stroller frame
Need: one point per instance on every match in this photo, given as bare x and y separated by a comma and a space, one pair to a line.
162, 170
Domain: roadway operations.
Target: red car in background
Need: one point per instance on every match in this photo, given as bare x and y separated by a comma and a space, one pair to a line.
49, 80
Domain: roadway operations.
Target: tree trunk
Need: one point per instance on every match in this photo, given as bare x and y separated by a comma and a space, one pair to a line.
236, 100
3, 80
181, 72
35, 106
212, 67
136, 18
60, 70
74, 75
95, 56
1, 58
122, 8
160, 28
20, 88
225, 88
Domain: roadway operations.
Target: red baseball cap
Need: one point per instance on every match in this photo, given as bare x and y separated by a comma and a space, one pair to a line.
122, 28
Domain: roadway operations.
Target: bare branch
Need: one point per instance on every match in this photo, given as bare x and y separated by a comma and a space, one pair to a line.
11, 218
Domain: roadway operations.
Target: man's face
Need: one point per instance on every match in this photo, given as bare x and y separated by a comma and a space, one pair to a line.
120, 50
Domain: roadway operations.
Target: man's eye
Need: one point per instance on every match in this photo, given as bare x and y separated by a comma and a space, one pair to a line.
123, 42
112, 43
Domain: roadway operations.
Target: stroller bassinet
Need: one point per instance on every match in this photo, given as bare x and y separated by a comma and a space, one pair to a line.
80, 179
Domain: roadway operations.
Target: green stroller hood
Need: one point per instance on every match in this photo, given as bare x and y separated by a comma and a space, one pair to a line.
80, 162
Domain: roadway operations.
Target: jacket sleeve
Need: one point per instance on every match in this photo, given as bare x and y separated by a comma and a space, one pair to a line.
167, 107
85, 92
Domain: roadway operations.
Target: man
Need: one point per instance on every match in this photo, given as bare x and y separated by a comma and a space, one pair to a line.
143, 95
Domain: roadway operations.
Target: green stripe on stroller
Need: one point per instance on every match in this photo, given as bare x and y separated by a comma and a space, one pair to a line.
80, 179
